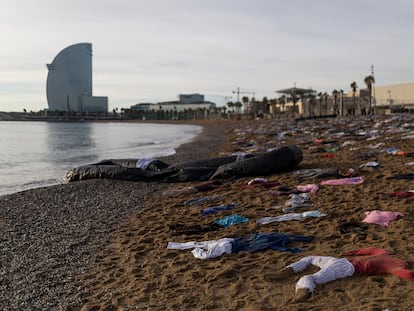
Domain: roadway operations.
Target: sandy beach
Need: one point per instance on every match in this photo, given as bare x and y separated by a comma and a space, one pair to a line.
102, 244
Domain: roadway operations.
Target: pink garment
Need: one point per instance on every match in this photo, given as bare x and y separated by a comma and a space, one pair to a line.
312, 188
381, 218
344, 181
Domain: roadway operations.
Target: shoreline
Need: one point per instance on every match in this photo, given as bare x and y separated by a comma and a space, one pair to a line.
52, 235
52, 172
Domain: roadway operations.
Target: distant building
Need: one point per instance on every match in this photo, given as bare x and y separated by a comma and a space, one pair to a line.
190, 98
185, 102
396, 94
296, 100
69, 81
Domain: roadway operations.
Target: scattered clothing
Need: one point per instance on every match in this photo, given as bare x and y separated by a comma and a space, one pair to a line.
250, 243
394, 151
180, 191
261, 182
369, 261
402, 194
372, 164
402, 176
231, 220
181, 229
296, 201
322, 173
284, 190
205, 249
290, 216
332, 268
352, 226
215, 209
210, 185
257, 181
381, 218
344, 181
311, 188
273, 240
201, 200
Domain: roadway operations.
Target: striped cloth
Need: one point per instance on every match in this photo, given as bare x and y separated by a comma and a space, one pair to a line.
332, 268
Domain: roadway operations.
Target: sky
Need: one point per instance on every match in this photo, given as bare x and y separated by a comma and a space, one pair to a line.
154, 50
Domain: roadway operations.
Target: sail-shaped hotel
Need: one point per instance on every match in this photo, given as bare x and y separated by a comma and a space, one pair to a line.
69, 81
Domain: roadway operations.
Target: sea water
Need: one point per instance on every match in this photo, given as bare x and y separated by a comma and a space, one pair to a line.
38, 154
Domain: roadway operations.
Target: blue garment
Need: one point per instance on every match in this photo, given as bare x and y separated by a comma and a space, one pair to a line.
201, 200
215, 209
231, 220
260, 241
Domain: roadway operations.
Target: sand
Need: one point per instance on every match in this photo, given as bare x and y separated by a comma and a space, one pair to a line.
125, 263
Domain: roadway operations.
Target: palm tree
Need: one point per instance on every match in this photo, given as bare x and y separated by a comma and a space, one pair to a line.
273, 103
231, 106
245, 101
224, 108
354, 87
342, 101
238, 105
369, 81
265, 102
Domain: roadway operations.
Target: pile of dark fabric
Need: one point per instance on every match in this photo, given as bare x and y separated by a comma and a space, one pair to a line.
279, 160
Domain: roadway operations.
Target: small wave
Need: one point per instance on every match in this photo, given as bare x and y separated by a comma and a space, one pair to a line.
14, 187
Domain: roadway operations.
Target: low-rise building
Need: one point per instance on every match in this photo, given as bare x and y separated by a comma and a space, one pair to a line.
186, 102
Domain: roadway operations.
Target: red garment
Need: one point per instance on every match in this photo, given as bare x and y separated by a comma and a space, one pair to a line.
378, 261
402, 194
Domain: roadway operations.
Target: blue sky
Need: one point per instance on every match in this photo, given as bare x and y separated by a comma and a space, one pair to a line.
153, 50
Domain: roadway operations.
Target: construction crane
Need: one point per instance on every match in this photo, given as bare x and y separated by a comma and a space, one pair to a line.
226, 98
238, 92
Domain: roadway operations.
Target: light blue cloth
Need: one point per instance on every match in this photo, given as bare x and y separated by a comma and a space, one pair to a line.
231, 220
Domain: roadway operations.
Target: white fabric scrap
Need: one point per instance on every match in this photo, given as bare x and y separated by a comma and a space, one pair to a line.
205, 249
257, 180
371, 164
213, 250
295, 201
332, 268
290, 216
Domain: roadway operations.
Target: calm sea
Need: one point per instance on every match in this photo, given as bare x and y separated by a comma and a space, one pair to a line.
38, 154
